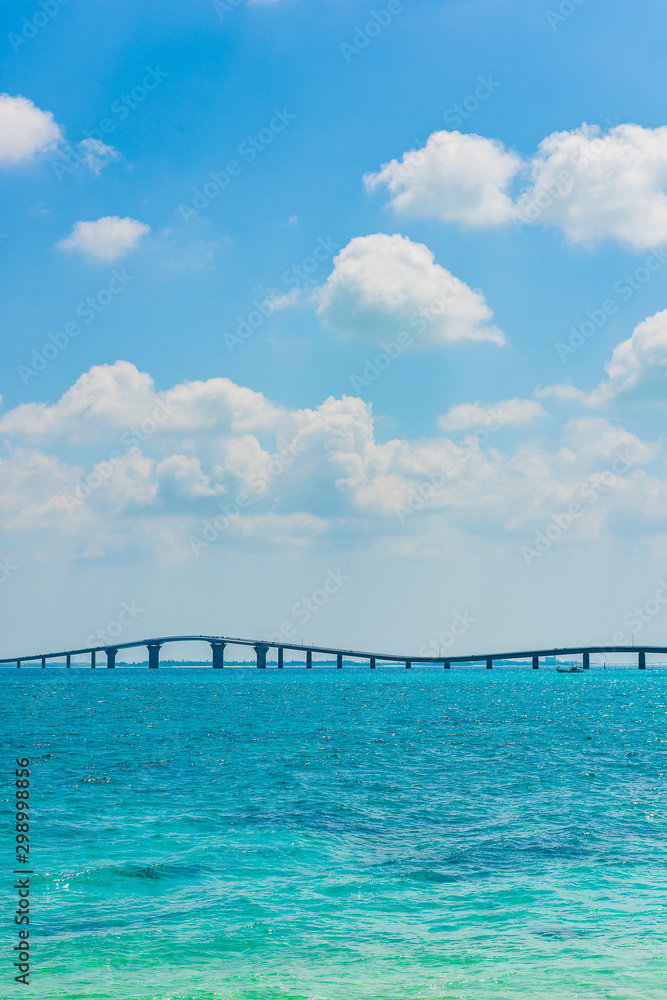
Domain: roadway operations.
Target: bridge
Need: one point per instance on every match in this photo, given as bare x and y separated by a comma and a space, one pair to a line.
261, 648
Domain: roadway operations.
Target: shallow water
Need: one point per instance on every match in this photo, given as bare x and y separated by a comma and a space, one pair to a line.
340, 834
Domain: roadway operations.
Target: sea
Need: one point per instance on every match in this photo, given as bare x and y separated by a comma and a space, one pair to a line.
245, 834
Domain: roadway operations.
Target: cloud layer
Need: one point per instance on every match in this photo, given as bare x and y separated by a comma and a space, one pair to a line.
591, 185
382, 285
119, 469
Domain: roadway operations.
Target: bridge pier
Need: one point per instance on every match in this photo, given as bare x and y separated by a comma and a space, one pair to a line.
218, 654
153, 655
261, 650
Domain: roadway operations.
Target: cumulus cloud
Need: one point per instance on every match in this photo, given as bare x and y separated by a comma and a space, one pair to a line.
602, 186
383, 285
168, 472
507, 413
25, 130
109, 399
455, 178
637, 369
105, 239
639, 364
590, 184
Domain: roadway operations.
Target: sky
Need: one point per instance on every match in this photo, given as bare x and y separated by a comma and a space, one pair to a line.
333, 322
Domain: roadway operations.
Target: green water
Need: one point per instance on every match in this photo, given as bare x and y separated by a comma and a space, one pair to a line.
340, 834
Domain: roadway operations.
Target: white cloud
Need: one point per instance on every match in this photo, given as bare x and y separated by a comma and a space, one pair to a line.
639, 364
507, 413
278, 302
143, 472
564, 392
106, 239
590, 184
455, 178
382, 285
637, 369
25, 130
183, 475
109, 399
613, 186
96, 155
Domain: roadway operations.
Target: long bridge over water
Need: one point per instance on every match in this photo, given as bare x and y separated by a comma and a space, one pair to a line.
262, 647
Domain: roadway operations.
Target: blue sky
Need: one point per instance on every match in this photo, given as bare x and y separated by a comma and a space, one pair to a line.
393, 164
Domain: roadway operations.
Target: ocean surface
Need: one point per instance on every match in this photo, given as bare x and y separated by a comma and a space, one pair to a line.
345, 834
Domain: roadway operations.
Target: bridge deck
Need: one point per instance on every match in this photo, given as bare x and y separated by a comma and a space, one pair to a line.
262, 646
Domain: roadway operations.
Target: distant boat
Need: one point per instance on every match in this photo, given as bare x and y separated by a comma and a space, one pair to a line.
572, 669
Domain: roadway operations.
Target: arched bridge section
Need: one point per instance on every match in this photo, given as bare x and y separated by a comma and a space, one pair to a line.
262, 647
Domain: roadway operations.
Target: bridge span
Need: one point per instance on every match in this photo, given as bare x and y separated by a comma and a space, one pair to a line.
261, 648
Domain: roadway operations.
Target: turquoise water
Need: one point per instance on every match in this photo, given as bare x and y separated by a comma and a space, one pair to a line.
341, 834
